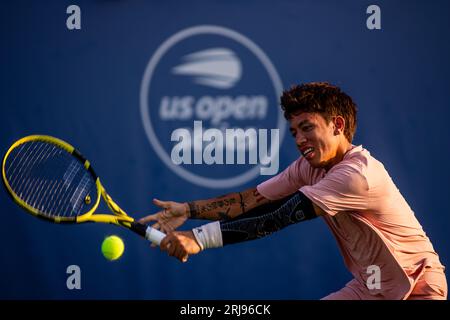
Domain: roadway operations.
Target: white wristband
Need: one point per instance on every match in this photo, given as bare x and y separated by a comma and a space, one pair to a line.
209, 235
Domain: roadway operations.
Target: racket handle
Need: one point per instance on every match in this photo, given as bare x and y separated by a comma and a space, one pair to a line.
151, 234
154, 236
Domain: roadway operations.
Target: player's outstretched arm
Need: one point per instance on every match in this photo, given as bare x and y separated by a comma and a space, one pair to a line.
174, 214
254, 224
259, 222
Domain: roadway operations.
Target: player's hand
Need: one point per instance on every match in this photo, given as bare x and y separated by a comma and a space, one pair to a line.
180, 244
173, 215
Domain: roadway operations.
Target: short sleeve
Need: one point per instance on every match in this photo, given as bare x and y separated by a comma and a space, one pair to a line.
344, 188
285, 183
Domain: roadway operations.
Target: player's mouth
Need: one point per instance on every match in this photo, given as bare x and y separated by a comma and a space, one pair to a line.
308, 153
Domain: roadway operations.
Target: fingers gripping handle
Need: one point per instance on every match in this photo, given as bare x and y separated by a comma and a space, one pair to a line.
156, 236
151, 234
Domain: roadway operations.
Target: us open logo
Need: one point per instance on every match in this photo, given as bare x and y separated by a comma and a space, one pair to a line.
209, 103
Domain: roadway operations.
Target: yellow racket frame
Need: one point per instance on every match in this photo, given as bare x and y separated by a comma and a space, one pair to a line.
120, 217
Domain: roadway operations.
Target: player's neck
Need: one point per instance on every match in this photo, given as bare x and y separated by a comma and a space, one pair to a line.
342, 149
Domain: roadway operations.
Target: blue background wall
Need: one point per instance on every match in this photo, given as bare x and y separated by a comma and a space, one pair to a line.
83, 86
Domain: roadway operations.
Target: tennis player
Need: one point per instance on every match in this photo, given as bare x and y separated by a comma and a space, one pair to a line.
343, 184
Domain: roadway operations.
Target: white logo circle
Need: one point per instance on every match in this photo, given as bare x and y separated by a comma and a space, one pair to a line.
145, 115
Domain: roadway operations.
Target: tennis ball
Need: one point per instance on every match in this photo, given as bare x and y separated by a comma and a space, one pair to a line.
112, 247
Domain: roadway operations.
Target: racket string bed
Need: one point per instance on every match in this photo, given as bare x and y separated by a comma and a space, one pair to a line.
64, 189
22, 159
41, 158
46, 183
49, 179
24, 167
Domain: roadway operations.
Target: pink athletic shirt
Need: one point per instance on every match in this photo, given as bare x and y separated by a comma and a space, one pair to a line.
370, 219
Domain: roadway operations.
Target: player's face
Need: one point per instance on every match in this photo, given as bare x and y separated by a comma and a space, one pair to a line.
316, 139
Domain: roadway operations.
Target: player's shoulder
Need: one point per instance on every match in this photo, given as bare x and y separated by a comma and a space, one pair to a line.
357, 157
359, 161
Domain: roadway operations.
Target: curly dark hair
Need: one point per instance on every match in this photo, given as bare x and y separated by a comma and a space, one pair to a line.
323, 98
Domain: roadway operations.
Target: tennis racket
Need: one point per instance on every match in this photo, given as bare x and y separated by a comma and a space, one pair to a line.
52, 180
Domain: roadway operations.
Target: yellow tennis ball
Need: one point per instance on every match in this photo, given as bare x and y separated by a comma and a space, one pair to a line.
112, 247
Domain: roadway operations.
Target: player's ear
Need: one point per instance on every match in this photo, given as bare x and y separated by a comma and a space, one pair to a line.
339, 124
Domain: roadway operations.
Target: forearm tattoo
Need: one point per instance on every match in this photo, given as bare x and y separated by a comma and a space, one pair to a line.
218, 209
266, 219
223, 215
193, 210
227, 206
258, 197
242, 202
